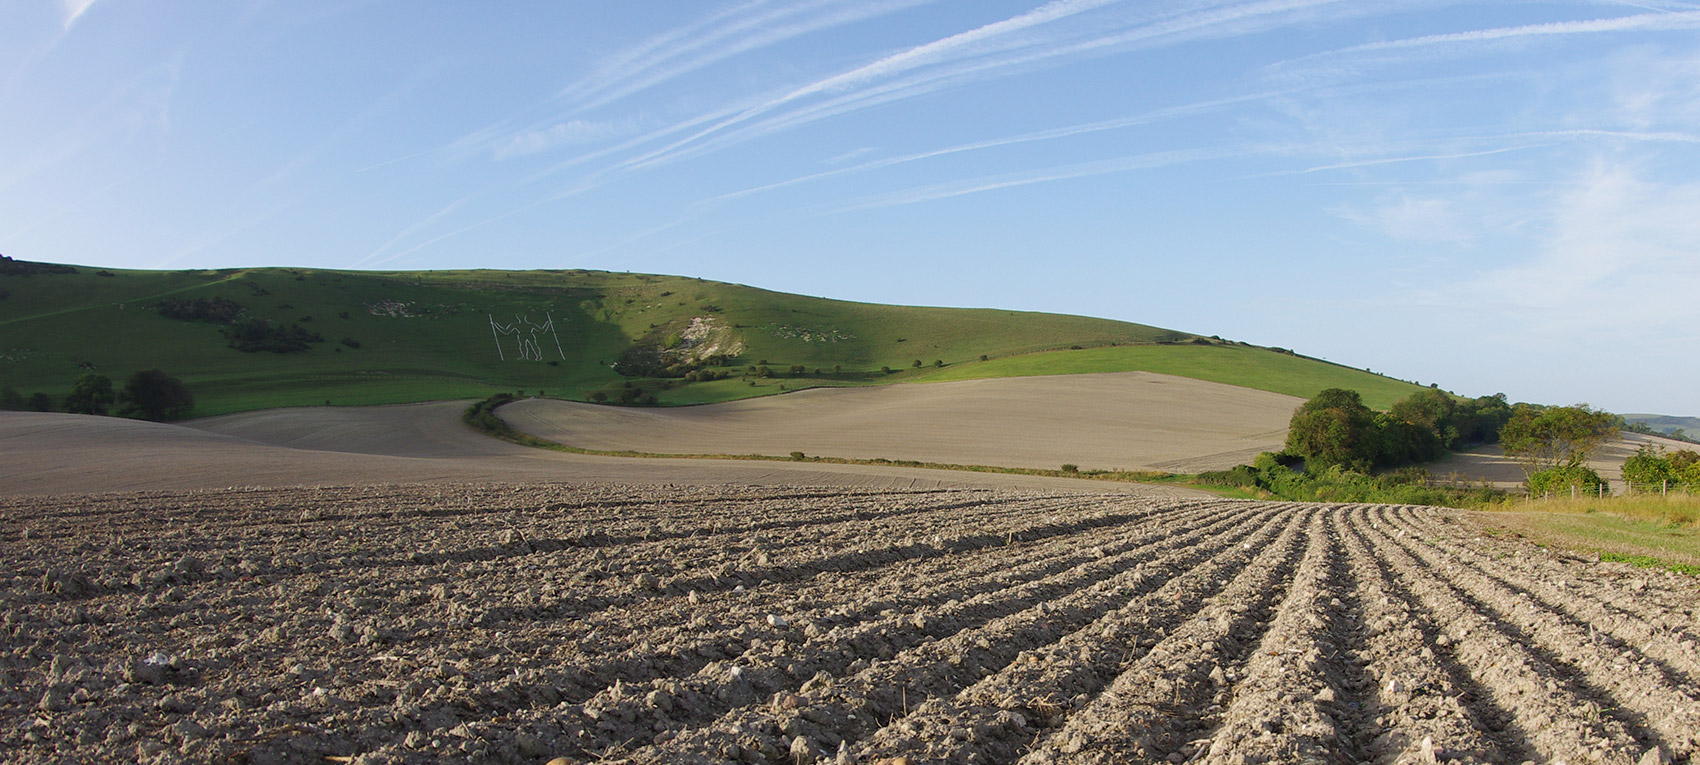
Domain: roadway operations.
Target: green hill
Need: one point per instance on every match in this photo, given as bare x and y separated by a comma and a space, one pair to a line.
389, 337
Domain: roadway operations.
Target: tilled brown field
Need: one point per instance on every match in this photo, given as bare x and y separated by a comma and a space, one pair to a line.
647, 625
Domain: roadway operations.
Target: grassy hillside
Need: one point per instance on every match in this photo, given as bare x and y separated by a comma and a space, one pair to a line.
396, 337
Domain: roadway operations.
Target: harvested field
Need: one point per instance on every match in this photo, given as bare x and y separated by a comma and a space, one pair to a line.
52, 453
1121, 420
519, 623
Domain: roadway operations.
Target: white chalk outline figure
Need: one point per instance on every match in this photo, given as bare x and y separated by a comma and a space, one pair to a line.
526, 336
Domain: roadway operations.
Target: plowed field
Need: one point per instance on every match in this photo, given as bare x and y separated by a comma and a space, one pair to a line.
723, 624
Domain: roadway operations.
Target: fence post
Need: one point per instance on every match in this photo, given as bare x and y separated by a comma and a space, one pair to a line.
1572, 491
1664, 486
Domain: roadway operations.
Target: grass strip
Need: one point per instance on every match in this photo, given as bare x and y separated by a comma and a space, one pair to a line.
1648, 561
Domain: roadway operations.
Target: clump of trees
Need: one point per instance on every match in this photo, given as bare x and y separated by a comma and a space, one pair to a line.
1335, 432
149, 395
154, 395
1336, 429
13, 401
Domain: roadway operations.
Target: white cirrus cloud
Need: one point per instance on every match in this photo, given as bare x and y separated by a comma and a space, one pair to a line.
72, 10
569, 133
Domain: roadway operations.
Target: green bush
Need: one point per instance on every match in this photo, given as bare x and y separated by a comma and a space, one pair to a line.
1558, 480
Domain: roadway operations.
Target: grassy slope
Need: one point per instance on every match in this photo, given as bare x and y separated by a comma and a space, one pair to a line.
1234, 365
54, 327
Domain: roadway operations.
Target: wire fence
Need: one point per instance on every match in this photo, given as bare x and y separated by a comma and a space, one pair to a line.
1662, 488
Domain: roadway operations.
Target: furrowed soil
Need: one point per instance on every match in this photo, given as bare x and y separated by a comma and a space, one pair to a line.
485, 622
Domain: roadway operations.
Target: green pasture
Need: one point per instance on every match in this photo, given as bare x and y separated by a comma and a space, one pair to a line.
415, 336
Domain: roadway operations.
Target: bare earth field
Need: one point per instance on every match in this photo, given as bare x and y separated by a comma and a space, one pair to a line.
519, 623
324, 446
1125, 420
1488, 463
386, 585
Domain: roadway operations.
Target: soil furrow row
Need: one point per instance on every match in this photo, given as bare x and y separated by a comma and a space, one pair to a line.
1283, 710
1666, 637
994, 719
950, 589
877, 662
1419, 693
1651, 704
1559, 721
1156, 707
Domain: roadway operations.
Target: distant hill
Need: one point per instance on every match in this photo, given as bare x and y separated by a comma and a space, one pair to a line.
1688, 427
256, 338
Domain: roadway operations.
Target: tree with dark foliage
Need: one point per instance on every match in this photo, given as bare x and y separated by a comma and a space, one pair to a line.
155, 395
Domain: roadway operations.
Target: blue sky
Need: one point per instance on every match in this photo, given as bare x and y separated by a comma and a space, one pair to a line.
1494, 196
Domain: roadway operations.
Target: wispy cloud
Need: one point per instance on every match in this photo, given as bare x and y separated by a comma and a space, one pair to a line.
661, 58
938, 51
1648, 22
1046, 175
991, 50
575, 132
724, 35
72, 10
1053, 134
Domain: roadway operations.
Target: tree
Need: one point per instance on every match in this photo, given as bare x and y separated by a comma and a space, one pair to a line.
155, 395
10, 399
1541, 438
1335, 429
90, 394
41, 402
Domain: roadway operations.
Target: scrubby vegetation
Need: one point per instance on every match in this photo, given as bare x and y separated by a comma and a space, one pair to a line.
1651, 466
1277, 475
10, 267
257, 335
216, 310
